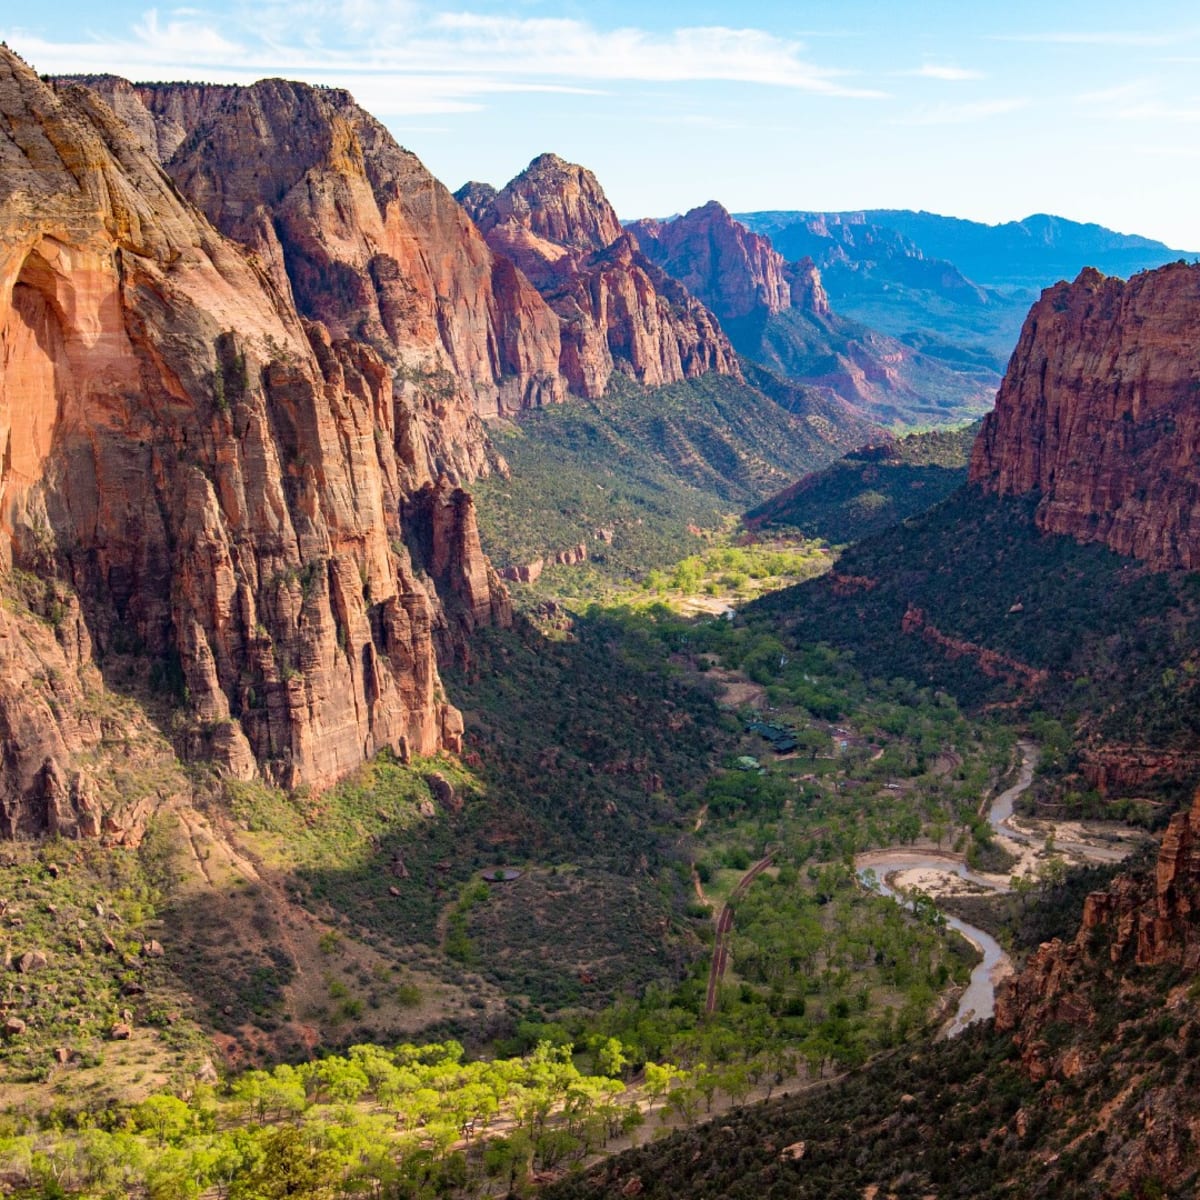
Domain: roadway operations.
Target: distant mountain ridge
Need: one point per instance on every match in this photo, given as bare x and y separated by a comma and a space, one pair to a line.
1033, 252
778, 315
942, 282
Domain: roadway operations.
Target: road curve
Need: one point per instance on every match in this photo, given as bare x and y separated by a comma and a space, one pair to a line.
720, 959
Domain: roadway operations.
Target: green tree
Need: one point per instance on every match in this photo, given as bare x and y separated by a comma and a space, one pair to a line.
287, 1165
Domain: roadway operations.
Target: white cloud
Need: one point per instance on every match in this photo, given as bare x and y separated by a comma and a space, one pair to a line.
1118, 93
696, 121
400, 57
1189, 152
184, 32
1187, 114
1128, 38
961, 114
945, 72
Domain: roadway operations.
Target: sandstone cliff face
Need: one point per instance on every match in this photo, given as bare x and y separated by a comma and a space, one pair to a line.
1111, 1039
735, 272
367, 242
1098, 413
219, 481
1143, 922
617, 311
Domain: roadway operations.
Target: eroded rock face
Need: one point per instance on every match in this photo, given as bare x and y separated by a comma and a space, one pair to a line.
735, 272
366, 240
1099, 414
777, 314
218, 480
617, 311
1144, 922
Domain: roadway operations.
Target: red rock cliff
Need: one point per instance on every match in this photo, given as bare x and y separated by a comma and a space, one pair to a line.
1141, 921
219, 481
735, 272
367, 241
1099, 412
616, 309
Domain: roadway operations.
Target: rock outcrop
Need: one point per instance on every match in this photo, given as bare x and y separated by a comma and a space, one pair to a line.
915, 622
1098, 415
617, 310
1147, 920
778, 315
735, 272
365, 239
218, 480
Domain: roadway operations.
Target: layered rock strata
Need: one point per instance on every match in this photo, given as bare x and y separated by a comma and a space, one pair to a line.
1141, 921
777, 314
366, 240
217, 479
735, 272
617, 310
1099, 415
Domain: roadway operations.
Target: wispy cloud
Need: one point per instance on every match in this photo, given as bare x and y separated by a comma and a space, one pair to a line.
1118, 93
948, 74
434, 62
1097, 38
960, 114
1188, 152
696, 121
1157, 111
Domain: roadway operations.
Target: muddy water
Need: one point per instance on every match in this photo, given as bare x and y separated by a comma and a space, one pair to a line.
978, 1001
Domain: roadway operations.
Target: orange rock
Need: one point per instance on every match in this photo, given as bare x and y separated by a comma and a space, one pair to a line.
617, 310
735, 272
365, 239
217, 482
1098, 415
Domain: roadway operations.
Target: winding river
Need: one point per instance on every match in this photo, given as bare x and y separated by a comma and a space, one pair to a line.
877, 869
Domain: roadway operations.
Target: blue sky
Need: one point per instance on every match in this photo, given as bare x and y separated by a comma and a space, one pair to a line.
986, 111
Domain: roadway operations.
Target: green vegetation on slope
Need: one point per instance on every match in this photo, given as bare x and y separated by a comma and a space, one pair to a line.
871, 488
410, 1121
837, 353
649, 468
975, 569
1095, 1097
80, 946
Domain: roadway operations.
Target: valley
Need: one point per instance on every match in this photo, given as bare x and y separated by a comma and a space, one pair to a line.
499, 701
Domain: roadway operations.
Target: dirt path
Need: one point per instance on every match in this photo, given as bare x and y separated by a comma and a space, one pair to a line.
724, 925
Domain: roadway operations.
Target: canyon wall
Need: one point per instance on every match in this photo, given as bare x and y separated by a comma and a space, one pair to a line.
778, 315
735, 272
365, 239
1098, 414
617, 310
206, 478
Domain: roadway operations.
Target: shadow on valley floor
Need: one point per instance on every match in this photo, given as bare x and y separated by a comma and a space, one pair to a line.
361, 913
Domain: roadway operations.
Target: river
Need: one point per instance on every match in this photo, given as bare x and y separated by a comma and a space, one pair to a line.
978, 1001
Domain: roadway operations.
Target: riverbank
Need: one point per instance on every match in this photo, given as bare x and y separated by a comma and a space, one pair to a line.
1034, 844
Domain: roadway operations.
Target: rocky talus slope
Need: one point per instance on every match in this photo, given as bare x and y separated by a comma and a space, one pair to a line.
1099, 417
617, 310
195, 474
